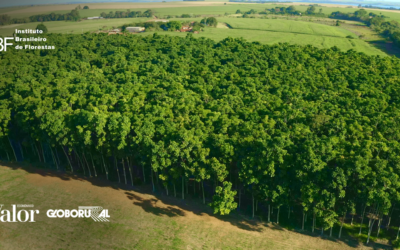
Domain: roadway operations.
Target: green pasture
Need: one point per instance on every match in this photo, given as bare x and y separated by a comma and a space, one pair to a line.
72, 27
169, 9
268, 31
287, 26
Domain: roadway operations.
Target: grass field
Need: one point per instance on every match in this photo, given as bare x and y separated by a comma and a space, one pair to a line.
138, 219
178, 8
268, 31
287, 26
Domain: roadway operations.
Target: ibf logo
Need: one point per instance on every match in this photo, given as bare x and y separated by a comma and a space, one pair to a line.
4, 43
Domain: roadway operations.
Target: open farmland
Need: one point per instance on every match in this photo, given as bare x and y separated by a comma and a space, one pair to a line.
287, 26
139, 219
268, 31
179, 8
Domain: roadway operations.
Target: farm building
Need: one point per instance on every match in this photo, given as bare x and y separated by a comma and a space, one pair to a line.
94, 17
159, 20
135, 29
186, 29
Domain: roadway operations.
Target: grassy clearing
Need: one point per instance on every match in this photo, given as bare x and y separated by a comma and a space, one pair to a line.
271, 37
72, 27
288, 26
139, 220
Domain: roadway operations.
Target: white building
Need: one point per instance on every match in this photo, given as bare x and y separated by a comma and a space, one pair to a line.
94, 17
135, 29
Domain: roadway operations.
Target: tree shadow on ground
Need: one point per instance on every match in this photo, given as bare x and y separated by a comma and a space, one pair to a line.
160, 204
388, 47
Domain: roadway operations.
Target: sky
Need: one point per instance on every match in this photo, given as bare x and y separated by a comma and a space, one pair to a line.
8, 3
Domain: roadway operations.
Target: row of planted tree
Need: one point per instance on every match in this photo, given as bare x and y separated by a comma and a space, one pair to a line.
290, 126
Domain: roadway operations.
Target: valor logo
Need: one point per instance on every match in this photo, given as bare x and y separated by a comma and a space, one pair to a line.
17, 216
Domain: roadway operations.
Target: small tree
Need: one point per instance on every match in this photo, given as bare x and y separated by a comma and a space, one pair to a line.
212, 21
86, 7
238, 12
174, 25
42, 27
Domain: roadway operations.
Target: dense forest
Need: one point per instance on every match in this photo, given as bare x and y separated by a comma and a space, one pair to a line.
315, 130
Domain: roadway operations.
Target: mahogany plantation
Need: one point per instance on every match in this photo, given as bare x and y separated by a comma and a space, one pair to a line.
295, 128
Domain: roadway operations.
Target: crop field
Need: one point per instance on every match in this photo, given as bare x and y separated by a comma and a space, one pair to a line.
138, 219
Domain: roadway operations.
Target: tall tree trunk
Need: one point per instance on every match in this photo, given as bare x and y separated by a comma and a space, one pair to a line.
123, 167
15, 155
87, 164
57, 157
183, 189
152, 179
116, 166
33, 149
256, 205
352, 217
362, 219
130, 170
341, 225
166, 187
22, 151
390, 217
66, 155
174, 189
253, 205
330, 233
44, 157
80, 161
269, 213
94, 167
379, 227
277, 216
104, 164
288, 213
37, 150
370, 230
302, 225
144, 175
8, 156
204, 197
397, 237
313, 223
322, 230
240, 192
54, 157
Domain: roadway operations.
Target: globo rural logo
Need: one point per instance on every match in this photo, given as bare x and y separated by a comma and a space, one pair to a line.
14, 214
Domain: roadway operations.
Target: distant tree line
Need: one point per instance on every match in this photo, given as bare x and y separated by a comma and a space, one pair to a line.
291, 10
72, 16
127, 14
389, 29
